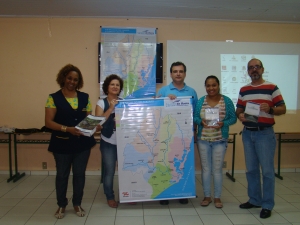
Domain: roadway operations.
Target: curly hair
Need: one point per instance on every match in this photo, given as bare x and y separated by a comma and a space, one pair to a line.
107, 81
62, 74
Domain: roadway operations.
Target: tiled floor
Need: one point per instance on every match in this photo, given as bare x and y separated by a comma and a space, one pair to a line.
31, 201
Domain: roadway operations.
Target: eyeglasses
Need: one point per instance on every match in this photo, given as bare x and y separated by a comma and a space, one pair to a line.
254, 67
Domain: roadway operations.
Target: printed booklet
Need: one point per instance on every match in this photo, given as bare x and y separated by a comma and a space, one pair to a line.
89, 124
252, 112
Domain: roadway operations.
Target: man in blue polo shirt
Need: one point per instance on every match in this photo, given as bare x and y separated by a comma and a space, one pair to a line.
175, 89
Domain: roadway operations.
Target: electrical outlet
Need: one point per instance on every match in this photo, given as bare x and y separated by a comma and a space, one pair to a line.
44, 165
225, 164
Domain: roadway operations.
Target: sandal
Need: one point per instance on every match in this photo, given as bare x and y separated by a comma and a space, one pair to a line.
60, 213
112, 203
79, 211
205, 202
218, 203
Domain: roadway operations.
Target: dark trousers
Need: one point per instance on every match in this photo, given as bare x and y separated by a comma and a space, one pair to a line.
64, 162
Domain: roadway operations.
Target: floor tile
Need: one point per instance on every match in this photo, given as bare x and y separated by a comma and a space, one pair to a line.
23, 210
9, 202
274, 219
155, 220
4, 210
216, 219
154, 211
14, 220
293, 217
291, 198
243, 219
130, 212
285, 207
186, 220
233, 208
105, 220
209, 210
38, 194
183, 211
32, 201
71, 220
41, 220
129, 220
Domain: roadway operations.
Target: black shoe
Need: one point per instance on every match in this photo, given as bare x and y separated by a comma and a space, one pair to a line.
164, 202
265, 213
183, 201
248, 205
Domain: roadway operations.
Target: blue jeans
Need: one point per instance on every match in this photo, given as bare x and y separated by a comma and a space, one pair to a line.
109, 159
212, 156
259, 147
64, 162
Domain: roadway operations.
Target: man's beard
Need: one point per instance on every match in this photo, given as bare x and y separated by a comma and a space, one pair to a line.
255, 76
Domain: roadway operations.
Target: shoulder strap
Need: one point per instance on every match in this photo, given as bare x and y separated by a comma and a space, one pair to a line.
106, 105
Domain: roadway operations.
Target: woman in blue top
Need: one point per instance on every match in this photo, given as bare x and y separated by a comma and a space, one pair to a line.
214, 114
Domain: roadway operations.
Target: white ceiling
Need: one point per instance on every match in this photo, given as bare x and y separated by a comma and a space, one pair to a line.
279, 11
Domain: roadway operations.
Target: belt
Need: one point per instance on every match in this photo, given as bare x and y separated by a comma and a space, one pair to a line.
256, 128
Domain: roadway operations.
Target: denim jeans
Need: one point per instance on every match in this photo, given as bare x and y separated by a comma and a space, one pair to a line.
109, 159
259, 147
212, 156
64, 162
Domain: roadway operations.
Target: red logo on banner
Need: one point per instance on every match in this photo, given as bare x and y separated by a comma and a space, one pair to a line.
125, 194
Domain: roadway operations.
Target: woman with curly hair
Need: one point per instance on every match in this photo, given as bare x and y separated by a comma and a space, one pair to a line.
112, 87
64, 110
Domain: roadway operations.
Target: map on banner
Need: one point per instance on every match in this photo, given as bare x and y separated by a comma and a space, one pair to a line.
155, 147
131, 54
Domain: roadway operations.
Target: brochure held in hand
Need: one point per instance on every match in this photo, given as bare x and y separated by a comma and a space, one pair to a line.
212, 116
89, 124
251, 113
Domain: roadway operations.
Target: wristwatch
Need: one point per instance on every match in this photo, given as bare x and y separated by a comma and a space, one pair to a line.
271, 111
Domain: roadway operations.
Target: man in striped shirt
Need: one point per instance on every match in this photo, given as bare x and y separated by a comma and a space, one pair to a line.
259, 138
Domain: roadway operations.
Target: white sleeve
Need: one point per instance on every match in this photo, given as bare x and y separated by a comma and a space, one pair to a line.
100, 103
